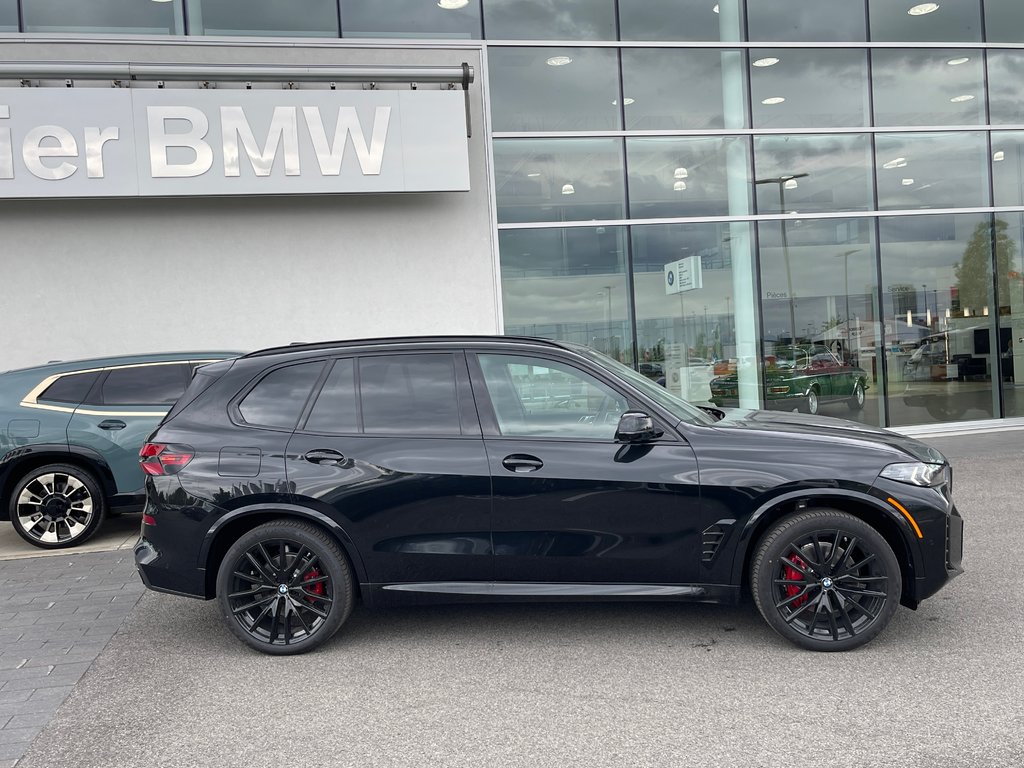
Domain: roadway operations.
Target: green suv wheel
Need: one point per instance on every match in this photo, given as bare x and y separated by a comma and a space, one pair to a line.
56, 506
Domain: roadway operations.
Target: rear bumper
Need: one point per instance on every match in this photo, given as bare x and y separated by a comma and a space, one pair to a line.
157, 576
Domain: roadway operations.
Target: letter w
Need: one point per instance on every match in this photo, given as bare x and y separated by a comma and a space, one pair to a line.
329, 155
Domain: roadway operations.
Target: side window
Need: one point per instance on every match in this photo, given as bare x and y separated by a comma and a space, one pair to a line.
71, 388
278, 398
409, 394
144, 385
336, 409
538, 397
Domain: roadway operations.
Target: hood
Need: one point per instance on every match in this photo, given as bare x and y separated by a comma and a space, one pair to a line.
827, 428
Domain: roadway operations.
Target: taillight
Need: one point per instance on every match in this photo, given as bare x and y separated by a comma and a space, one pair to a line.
163, 459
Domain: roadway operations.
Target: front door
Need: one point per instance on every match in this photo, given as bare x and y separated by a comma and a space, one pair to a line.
571, 505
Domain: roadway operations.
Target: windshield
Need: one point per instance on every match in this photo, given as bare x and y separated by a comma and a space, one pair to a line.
676, 406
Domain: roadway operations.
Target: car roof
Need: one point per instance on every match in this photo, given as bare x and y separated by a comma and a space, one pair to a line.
405, 341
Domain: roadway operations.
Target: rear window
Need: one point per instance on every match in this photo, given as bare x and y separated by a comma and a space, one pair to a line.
409, 394
279, 397
71, 388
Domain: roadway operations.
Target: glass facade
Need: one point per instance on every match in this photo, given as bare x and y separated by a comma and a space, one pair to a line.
842, 180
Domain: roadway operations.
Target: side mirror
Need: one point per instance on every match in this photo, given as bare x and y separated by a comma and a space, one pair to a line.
636, 427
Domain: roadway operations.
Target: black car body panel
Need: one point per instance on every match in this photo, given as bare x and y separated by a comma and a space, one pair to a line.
482, 513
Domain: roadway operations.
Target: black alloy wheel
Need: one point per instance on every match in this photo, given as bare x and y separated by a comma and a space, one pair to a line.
57, 506
826, 580
285, 587
856, 401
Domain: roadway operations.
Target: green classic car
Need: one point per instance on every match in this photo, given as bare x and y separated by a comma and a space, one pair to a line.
70, 434
801, 377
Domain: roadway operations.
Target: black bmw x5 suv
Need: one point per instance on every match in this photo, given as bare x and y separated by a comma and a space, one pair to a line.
290, 482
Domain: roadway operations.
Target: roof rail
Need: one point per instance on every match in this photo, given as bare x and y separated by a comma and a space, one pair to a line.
298, 346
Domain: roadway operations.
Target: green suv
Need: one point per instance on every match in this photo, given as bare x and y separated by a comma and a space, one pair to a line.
70, 434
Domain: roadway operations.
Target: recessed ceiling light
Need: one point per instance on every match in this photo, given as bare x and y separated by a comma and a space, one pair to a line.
767, 61
998, 156
773, 100
559, 61
923, 8
681, 173
568, 189
906, 182
899, 162
958, 60
168, 1
627, 101
533, 174
961, 97
451, 5
679, 186
715, 9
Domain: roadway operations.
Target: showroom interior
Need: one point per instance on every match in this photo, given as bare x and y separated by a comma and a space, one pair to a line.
843, 178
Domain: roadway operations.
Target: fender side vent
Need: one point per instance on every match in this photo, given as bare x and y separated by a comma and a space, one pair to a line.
712, 539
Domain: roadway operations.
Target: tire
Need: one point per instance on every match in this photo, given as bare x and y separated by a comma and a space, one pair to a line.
819, 596
856, 401
57, 506
811, 402
285, 587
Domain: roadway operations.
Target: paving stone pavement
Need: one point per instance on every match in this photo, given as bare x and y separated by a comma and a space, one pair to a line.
57, 614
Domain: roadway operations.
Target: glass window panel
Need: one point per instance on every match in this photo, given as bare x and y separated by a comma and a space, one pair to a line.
928, 87
682, 20
70, 389
940, 341
562, 20
145, 385
278, 398
568, 284
118, 16
686, 340
336, 406
817, 88
300, 18
558, 179
1004, 21
1006, 86
1008, 167
409, 395
813, 173
410, 18
9, 16
913, 21
798, 20
822, 330
931, 170
671, 177
1009, 237
657, 98
554, 89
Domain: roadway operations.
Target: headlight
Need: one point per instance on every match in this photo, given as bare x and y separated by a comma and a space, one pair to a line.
917, 473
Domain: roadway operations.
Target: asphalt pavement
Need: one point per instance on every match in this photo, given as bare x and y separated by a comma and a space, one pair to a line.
563, 685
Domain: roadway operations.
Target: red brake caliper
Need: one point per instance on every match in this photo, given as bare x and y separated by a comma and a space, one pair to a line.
792, 574
319, 589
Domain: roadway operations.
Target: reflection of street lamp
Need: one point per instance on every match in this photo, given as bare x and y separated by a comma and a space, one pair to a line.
846, 292
786, 182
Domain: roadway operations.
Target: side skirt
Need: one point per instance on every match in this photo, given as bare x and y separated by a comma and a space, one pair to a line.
505, 591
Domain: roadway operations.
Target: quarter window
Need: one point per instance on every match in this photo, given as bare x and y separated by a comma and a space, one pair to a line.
71, 388
278, 398
144, 385
409, 394
538, 397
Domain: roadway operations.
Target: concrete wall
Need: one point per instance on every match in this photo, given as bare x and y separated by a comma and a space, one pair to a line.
80, 278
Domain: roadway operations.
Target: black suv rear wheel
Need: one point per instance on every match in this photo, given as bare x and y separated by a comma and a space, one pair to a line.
285, 587
826, 580
56, 506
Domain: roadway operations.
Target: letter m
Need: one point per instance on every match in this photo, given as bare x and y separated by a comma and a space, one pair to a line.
284, 130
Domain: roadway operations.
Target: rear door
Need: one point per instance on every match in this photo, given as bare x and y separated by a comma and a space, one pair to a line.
391, 449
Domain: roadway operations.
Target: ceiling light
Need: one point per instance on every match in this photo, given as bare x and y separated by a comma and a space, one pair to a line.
961, 97
923, 8
906, 182
168, 1
451, 5
998, 156
559, 61
958, 60
627, 101
899, 162
568, 189
715, 9
767, 61
773, 100
533, 174
679, 186
910, 319
680, 173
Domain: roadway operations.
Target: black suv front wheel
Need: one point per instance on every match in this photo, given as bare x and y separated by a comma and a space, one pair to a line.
285, 587
56, 506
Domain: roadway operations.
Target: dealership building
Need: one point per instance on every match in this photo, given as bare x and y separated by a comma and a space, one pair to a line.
769, 191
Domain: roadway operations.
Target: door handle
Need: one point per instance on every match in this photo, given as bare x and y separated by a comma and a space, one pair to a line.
324, 456
112, 424
521, 462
